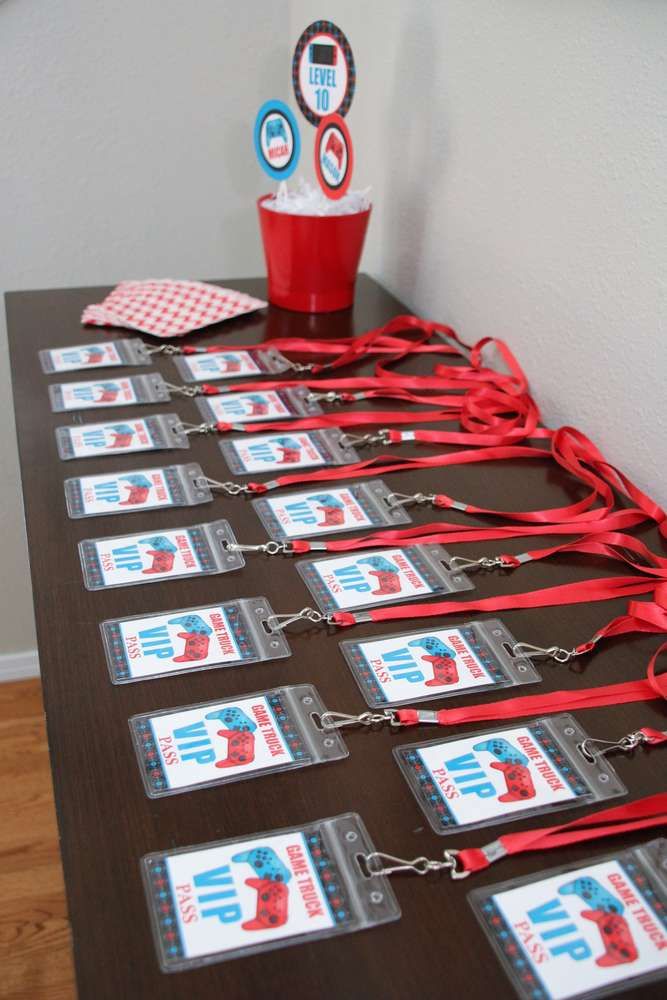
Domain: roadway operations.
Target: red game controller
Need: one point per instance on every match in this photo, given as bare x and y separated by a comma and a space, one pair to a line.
272, 899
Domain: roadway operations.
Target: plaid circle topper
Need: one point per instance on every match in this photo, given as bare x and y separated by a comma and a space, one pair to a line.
323, 73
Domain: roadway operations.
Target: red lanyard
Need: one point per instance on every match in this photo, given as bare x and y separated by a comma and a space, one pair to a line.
639, 815
609, 545
556, 701
349, 350
582, 592
571, 449
383, 464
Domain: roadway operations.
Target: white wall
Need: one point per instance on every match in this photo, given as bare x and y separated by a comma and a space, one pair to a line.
515, 148
126, 151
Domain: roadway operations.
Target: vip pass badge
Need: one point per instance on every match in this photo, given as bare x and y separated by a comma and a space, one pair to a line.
323, 73
277, 140
334, 159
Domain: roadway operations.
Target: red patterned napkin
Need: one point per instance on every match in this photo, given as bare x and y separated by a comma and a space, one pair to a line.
168, 308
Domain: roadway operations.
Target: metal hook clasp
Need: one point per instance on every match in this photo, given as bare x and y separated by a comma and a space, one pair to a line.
379, 863
162, 349
298, 366
407, 499
231, 489
268, 548
276, 623
184, 390
198, 429
626, 744
485, 562
550, 652
339, 720
324, 397
358, 440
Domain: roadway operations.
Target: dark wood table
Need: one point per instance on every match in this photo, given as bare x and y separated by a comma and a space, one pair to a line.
106, 821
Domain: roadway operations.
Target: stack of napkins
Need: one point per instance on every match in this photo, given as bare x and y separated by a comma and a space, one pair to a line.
166, 308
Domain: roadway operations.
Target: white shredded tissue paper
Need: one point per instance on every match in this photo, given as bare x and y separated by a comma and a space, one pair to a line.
309, 200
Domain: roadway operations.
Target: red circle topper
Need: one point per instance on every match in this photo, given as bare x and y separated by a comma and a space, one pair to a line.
334, 158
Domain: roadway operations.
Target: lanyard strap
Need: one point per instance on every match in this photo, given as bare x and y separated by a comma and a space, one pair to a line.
384, 464
639, 815
348, 350
650, 688
581, 592
614, 545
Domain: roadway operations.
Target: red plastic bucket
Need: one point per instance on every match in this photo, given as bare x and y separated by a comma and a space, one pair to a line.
312, 260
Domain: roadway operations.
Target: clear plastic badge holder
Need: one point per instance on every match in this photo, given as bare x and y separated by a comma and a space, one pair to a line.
227, 634
108, 392
137, 489
148, 557
212, 902
581, 930
105, 354
388, 576
161, 432
326, 510
230, 364
285, 451
441, 662
498, 775
253, 407
219, 742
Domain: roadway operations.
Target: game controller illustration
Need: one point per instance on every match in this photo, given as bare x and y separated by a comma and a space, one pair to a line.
162, 552
195, 648
231, 363
333, 510
387, 574
518, 781
108, 392
138, 489
335, 146
266, 864
272, 899
502, 750
240, 748
122, 435
619, 945
233, 718
192, 624
590, 891
258, 405
275, 130
95, 355
441, 658
290, 450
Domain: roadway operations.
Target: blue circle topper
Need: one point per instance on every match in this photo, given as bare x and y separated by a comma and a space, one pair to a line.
277, 140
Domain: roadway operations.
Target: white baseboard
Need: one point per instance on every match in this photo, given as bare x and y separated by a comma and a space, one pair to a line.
19, 666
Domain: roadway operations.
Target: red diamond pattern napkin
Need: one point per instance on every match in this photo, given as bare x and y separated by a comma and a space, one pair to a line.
166, 308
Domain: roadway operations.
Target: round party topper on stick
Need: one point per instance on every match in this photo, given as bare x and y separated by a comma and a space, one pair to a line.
277, 140
323, 73
334, 159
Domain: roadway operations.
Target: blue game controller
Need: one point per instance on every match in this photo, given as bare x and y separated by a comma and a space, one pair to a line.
266, 864
591, 892
233, 718
194, 624
502, 750
159, 543
433, 645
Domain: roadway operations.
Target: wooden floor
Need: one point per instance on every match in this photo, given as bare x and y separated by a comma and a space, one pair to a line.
35, 947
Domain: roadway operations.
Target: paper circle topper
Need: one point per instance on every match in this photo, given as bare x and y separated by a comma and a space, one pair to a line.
277, 140
334, 159
323, 73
